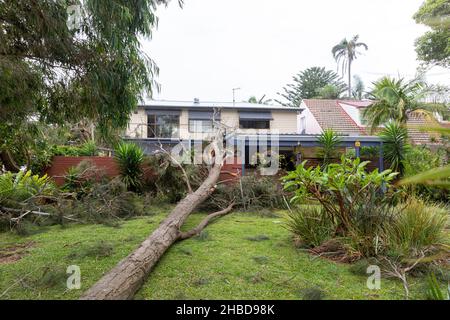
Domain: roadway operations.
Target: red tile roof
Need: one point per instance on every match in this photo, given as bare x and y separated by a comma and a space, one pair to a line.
330, 115
357, 103
416, 133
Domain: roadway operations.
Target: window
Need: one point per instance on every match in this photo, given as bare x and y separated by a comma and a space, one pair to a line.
303, 125
254, 124
201, 126
163, 126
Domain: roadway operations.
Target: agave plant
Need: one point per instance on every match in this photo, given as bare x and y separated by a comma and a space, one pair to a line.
129, 158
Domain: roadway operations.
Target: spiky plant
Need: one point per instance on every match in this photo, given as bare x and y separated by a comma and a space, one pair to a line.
395, 145
329, 142
129, 158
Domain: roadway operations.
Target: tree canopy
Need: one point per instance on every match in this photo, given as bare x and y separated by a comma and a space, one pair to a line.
311, 83
56, 67
434, 46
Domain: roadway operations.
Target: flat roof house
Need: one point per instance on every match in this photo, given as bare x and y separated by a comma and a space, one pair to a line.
167, 123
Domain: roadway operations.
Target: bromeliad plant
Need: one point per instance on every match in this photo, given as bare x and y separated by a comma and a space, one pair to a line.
344, 190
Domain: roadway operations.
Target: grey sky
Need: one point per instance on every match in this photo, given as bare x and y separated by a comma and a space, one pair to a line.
211, 46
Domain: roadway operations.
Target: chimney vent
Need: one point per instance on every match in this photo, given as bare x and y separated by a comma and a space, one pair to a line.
196, 100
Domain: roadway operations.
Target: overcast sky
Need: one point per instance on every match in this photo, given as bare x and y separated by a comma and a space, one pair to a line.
211, 46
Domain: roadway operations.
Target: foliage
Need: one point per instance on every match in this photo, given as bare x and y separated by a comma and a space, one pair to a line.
329, 142
54, 71
419, 160
434, 290
106, 202
345, 52
345, 190
250, 193
436, 176
395, 145
167, 180
307, 84
22, 186
395, 100
359, 89
364, 152
129, 158
311, 224
434, 47
85, 150
417, 226
261, 100
330, 91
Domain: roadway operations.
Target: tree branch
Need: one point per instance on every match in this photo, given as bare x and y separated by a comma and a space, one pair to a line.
202, 225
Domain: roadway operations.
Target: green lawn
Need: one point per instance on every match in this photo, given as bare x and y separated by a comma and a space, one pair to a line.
225, 263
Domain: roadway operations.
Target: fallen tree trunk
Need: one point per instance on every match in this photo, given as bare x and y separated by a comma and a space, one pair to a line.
124, 280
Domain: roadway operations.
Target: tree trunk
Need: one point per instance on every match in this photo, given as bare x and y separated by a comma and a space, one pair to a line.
349, 78
8, 161
124, 280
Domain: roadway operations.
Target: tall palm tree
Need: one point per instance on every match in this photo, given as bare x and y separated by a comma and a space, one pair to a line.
345, 52
396, 100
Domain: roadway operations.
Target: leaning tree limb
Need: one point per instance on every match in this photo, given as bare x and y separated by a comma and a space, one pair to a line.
202, 225
125, 279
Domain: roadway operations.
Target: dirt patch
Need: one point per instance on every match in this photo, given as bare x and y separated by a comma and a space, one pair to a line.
14, 253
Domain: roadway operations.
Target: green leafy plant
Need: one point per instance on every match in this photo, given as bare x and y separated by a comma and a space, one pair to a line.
395, 145
21, 186
342, 189
311, 224
130, 158
329, 142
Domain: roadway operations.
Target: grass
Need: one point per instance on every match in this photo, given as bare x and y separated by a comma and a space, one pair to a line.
226, 264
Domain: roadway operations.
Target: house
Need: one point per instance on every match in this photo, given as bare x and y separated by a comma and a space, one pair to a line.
346, 118
251, 128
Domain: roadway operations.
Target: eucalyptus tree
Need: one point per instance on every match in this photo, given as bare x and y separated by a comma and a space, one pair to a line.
434, 46
345, 52
65, 61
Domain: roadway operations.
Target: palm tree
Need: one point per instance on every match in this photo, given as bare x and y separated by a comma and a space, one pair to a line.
396, 100
262, 100
345, 52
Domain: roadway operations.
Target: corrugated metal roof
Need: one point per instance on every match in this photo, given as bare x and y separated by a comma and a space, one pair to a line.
212, 104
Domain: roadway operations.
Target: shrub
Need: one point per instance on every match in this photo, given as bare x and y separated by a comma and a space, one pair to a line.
130, 158
311, 224
345, 190
418, 225
89, 148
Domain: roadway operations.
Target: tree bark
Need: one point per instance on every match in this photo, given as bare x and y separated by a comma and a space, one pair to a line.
124, 280
8, 161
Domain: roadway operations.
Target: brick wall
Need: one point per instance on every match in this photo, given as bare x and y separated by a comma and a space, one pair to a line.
60, 165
